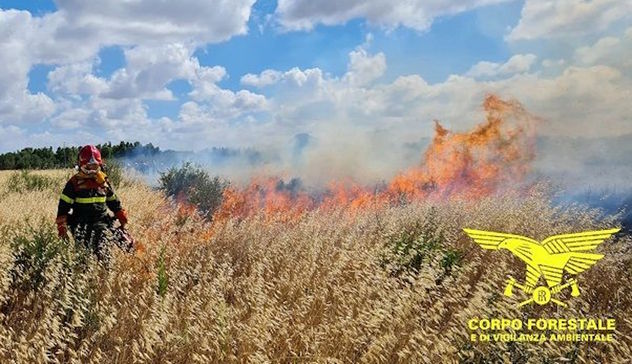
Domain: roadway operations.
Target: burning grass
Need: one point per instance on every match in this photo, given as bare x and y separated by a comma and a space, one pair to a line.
394, 284
357, 274
496, 154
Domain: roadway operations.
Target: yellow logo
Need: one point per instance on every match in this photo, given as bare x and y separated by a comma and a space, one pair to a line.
550, 258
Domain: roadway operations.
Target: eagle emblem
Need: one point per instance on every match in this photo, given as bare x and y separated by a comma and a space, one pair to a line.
570, 253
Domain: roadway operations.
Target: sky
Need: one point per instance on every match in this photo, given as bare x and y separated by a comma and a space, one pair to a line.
361, 78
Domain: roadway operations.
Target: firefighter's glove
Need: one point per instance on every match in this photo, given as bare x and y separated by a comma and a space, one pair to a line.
121, 215
62, 226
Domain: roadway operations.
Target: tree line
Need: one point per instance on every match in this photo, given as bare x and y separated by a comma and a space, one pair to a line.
66, 157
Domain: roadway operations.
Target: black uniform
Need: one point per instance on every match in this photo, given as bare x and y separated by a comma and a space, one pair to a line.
85, 202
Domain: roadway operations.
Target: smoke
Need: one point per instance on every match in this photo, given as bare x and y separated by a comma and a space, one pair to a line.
590, 171
351, 162
229, 163
337, 151
317, 157
493, 156
587, 163
363, 157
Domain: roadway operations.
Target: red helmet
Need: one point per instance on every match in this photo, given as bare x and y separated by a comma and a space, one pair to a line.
89, 154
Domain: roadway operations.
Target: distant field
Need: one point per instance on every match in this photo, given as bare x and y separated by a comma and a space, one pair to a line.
383, 285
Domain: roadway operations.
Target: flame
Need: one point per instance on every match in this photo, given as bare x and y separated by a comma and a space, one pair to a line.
495, 154
185, 209
478, 163
267, 195
350, 196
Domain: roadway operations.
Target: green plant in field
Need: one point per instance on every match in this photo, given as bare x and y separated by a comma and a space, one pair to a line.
195, 186
451, 258
163, 278
24, 181
36, 247
421, 243
33, 250
408, 249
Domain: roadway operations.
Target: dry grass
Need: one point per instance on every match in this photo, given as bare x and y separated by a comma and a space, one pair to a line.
325, 288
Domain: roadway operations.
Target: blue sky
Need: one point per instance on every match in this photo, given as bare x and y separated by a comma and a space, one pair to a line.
36, 7
198, 73
451, 46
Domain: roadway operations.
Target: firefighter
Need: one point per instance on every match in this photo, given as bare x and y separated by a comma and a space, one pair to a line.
84, 202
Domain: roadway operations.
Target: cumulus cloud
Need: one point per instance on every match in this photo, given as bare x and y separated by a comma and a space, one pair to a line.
143, 21
577, 101
12, 136
610, 50
71, 37
17, 104
567, 18
549, 63
104, 115
116, 110
223, 103
77, 79
363, 69
78, 29
415, 14
519, 63
266, 78
24, 107
149, 69
109, 107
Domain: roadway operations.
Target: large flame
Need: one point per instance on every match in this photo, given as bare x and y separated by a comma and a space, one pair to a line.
495, 154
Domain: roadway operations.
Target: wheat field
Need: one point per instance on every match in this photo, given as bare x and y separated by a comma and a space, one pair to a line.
394, 285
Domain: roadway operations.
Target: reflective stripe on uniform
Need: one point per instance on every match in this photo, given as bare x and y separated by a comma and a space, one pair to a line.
111, 198
90, 199
66, 198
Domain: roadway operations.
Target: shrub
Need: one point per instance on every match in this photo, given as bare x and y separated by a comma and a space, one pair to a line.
34, 248
417, 244
409, 249
25, 181
195, 186
114, 170
421, 243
